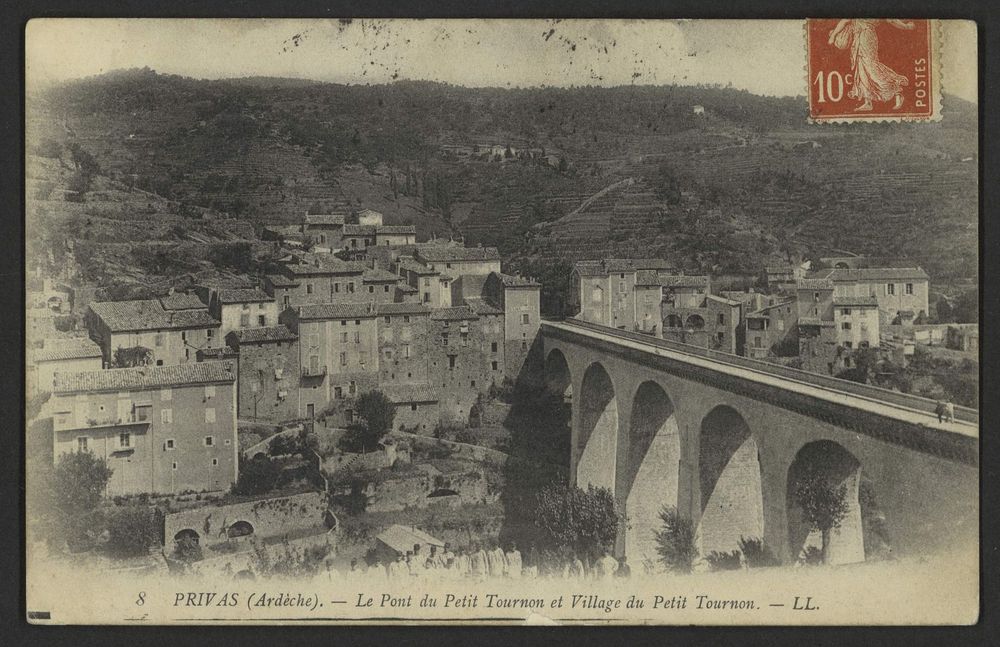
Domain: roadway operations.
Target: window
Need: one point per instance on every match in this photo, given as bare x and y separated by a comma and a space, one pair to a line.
371, 289
210, 414
846, 325
848, 344
210, 391
756, 342
387, 319
890, 288
524, 345
166, 416
406, 318
444, 339
909, 288
472, 383
285, 301
261, 320
343, 322
173, 465
343, 359
336, 287
215, 462
357, 337
493, 365
209, 441
845, 312
525, 318
465, 339
363, 358
81, 444
209, 334
352, 387
493, 347
124, 439
406, 350
385, 288
159, 339
309, 288
722, 319
169, 444
246, 306
451, 361
343, 337
413, 407
719, 336
621, 276
350, 287
621, 286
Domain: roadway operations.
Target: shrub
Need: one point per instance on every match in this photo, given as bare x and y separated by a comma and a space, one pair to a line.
187, 549
811, 556
133, 529
719, 561
585, 521
756, 553
257, 476
675, 542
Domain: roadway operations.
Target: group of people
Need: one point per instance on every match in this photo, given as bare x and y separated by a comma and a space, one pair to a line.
945, 411
483, 561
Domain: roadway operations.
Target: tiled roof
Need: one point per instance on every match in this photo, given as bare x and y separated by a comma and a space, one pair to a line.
513, 281
383, 309
402, 538
683, 281
359, 230
411, 265
244, 295
647, 278
459, 313
396, 229
325, 219
590, 268
400, 393
336, 311
728, 302
281, 281
878, 274
216, 353
263, 334
144, 377
181, 301
482, 307
325, 265
632, 264
405, 287
126, 316
855, 301
764, 312
814, 284
379, 275
446, 253
62, 349
368, 212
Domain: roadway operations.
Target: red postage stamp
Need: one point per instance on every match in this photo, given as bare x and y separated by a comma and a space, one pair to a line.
872, 70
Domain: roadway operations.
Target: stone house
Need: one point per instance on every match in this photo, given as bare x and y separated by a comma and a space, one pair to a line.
772, 330
269, 372
161, 429
454, 260
518, 300
237, 308
902, 293
60, 356
316, 279
174, 336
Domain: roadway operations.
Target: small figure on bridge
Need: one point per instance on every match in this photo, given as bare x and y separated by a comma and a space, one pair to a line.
939, 410
949, 410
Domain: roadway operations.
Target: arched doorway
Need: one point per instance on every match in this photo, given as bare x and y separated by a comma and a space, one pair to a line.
823, 470
239, 529
729, 482
696, 322
673, 321
557, 376
651, 469
187, 534
598, 432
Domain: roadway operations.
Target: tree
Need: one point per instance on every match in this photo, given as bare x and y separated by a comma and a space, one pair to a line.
77, 486
824, 506
133, 529
668, 189
675, 541
131, 357
377, 413
585, 521
257, 476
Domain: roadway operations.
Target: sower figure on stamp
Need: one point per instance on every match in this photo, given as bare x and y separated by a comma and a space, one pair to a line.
873, 80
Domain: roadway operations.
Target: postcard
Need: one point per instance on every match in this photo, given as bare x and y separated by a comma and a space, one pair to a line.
502, 322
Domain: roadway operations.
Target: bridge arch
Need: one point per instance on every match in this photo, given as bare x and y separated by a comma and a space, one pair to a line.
827, 462
729, 482
597, 438
557, 375
650, 481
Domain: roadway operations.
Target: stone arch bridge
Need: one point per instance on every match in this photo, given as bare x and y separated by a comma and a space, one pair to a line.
727, 440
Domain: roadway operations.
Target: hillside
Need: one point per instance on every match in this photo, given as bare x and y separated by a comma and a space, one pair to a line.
746, 183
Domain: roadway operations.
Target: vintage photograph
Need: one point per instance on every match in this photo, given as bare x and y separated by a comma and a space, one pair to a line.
502, 321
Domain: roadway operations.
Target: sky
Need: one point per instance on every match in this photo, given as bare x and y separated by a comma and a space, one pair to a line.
764, 56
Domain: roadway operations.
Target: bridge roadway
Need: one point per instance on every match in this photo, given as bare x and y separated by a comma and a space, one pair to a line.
871, 399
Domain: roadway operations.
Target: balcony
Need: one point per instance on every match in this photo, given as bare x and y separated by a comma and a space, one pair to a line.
313, 371
65, 420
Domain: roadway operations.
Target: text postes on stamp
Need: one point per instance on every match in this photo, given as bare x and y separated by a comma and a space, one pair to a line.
872, 70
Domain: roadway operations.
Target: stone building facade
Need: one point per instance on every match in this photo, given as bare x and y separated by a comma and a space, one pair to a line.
174, 336
269, 373
161, 429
